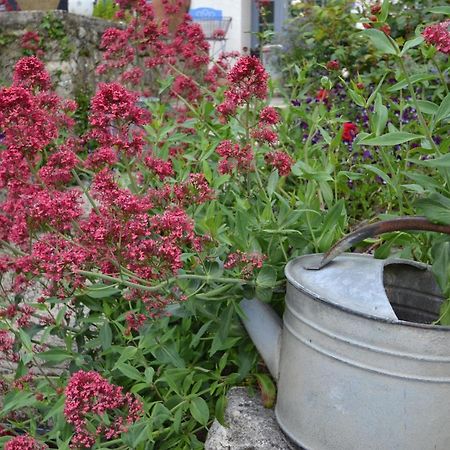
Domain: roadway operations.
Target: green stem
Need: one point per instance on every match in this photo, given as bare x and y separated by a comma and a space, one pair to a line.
205, 278
441, 75
422, 121
85, 192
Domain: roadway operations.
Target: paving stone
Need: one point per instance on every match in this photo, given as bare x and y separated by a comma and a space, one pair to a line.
250, 426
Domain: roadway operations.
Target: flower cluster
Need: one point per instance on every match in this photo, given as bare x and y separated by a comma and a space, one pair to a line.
234, 157
165, 47
31, 44
247, 79
438, 35
89, 393
24, 443
246, 262
281, 161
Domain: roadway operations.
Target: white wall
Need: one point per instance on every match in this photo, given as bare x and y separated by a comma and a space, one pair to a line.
238, 35
82, 7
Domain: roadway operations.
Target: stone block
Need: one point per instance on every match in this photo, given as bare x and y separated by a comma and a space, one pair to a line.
250, 426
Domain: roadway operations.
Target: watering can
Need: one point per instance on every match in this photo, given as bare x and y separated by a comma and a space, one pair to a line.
357, 361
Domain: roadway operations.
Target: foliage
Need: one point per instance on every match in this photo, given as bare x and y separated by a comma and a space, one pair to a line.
141, 229
105, 9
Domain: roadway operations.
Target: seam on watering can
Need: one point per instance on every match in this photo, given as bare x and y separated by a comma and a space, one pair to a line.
353, 363
365, 346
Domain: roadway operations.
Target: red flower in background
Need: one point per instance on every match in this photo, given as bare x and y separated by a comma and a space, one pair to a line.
333, 65
322, 95
439, 36
350, 130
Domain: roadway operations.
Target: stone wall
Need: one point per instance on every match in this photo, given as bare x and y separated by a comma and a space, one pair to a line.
71, 46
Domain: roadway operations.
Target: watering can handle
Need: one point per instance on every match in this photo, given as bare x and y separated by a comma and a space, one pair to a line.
375, 229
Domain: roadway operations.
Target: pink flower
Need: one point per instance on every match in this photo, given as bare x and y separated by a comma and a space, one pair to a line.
24, 443
134, 322
269, 115
280, 161
439, 36
265, 133
89, 393
30, 73
234, 157
247, 79
246, 262
161, 168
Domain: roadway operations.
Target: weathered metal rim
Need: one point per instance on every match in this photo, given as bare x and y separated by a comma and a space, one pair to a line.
314, 296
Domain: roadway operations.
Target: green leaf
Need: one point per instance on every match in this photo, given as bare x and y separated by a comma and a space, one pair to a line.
442, 162
441, 10
225, 322
413, 79
375, 92
136, 434
436, 208
394, 138
444, 110
272, 183
105, 336
126, 354
56, 409
17, 399
380, 116
199, 410
55, 355
267, 277
267, 389
219, 411
381, 41
25, 340
378, 172
411, 44
130, 371
441, 264
384, 11
101, 290
427, 107
357, 98
149, 374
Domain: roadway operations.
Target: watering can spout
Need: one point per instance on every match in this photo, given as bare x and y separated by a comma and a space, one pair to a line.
264, 328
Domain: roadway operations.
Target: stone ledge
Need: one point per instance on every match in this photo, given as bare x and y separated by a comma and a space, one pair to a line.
250, 426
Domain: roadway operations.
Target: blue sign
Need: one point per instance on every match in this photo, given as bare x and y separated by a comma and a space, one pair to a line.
206, 14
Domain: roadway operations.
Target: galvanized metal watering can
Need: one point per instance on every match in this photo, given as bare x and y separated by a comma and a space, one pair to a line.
357, 361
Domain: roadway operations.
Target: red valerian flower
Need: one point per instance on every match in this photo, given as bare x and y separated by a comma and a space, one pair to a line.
234, 157
24, 443
280, 161
322, 95
30, 73
269, 115
333, 65
350, 130
89, 393
31, 41
246, 262
248, 79
439, 36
